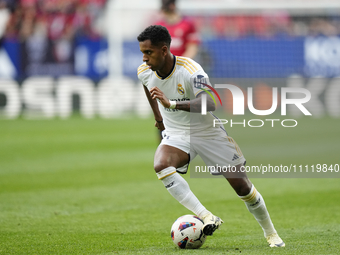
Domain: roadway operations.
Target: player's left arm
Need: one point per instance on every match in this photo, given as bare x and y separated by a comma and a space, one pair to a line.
193, 105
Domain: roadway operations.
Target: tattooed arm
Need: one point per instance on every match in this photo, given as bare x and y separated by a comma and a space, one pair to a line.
188, 106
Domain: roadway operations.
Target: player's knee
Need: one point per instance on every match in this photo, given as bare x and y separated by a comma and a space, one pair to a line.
159, 166
242, 187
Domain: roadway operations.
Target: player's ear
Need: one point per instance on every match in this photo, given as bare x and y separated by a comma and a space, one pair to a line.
164, 50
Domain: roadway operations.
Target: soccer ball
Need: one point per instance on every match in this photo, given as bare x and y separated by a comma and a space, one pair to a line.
186, 232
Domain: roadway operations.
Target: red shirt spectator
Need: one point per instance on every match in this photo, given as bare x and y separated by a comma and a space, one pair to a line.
182, 34
185, 39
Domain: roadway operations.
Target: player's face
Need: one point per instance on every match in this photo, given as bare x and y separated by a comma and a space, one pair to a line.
153, 56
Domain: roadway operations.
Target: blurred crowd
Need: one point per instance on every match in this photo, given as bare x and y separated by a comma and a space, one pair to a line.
65, 19
54, 19
273, 24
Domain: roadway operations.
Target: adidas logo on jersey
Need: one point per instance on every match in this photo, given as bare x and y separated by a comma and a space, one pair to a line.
235, 157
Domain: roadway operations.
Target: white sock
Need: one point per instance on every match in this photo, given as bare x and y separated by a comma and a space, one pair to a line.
180, 190
255, 204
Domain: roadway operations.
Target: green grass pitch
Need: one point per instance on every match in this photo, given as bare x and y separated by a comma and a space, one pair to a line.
88, 187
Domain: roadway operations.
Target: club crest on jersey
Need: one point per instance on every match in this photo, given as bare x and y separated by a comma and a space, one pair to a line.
180, 89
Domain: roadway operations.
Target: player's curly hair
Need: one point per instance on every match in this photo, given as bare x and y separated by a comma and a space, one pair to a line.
156, 34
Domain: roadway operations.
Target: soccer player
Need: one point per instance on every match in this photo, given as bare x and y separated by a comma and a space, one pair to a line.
169, 83
184, 37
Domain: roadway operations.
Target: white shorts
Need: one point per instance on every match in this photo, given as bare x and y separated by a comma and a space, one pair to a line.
219, 150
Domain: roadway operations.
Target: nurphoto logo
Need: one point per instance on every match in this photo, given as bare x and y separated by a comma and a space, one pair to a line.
239, 102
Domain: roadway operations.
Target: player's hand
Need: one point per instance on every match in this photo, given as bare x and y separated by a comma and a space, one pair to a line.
159, 125
156, 93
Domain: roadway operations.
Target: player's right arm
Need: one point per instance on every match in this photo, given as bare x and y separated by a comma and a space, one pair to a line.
143, 73
154, 106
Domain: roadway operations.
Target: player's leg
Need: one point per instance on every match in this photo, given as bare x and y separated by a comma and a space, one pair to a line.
255, 204
224, 152
167, 159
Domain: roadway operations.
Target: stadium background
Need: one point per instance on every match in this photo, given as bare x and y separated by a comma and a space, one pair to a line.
77, 137
279, 44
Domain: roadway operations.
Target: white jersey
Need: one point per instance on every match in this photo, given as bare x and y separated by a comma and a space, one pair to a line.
182, 84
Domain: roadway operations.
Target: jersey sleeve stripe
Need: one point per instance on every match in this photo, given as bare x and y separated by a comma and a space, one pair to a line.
189, 62
192, 64
185, 68
186, 64
143, 70
141, 67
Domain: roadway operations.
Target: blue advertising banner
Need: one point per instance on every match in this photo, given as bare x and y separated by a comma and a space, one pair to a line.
91, 58
223, 58
254, 57
11, 59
